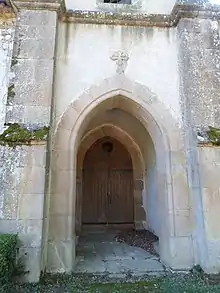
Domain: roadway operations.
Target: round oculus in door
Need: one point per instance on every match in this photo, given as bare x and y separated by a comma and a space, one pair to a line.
107, 147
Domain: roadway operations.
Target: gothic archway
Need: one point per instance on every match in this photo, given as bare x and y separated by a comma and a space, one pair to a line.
170, 169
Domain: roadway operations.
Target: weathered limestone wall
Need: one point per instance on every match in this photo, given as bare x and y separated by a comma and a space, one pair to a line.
209, 167
82, 62
29, 100
199, 64
22, 180
180, 66
199, 49
6, 45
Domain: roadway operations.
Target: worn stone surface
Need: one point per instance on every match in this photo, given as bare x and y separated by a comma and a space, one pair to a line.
199, 61
99, 253
6, 45
209, 166
145, 73
22, 181
30, 86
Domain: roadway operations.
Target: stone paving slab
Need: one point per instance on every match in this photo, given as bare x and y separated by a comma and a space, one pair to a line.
102, 255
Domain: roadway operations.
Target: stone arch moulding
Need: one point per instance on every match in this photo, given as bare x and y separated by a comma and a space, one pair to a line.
165, 133
138, 168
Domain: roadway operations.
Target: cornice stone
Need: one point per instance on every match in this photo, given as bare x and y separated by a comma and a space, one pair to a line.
52, 5
180, 10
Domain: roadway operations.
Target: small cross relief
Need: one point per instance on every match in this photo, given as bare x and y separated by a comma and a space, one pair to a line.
121, 58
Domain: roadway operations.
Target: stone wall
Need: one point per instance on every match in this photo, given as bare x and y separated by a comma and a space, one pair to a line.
209, 167
29, 101
199, 59
82, 62
6, 46
200, 66
180, 66
29, 78
22, 178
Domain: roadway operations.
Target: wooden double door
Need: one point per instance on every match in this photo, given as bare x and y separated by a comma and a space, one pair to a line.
108, 192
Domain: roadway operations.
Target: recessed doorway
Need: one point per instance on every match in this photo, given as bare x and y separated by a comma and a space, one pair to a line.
108, 189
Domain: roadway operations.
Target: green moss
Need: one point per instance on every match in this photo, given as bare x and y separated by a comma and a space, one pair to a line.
40, 134
11, 92
14, 61
214, 135
17, 135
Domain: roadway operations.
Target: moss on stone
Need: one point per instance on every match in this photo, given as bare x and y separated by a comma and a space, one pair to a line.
16, 135
214, 135
11, 92
40, 134
14, 61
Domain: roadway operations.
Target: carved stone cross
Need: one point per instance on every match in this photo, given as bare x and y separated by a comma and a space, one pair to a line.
121, 59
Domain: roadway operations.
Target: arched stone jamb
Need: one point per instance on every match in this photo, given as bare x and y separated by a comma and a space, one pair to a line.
165, 133
138, 169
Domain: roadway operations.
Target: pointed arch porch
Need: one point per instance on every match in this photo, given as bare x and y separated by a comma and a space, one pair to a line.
173, 191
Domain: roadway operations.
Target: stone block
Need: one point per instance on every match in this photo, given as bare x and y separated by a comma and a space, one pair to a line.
207, 155
34, 49
31, 206
211, 59
36, 115
33, 156
183, 223
23, 71
58, 204
32, 180
60, 181
212, 264
37, 32
14, 114
212, 79
209, 175
30, 232
61, 227
11, 158
31, 256
61, 256
2, 152
37, 18
181, 253
189, 25
176, 141
8, 226
180, 191
10, 180
68, 121
211, 208
39, 115
33, 82
216, 115
60, 159
10, 204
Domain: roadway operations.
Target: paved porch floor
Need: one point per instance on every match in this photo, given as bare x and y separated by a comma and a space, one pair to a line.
99, 253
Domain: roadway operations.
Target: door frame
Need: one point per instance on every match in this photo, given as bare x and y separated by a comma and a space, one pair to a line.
138, 171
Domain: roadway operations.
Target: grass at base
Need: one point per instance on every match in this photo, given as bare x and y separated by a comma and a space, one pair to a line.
70, 284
